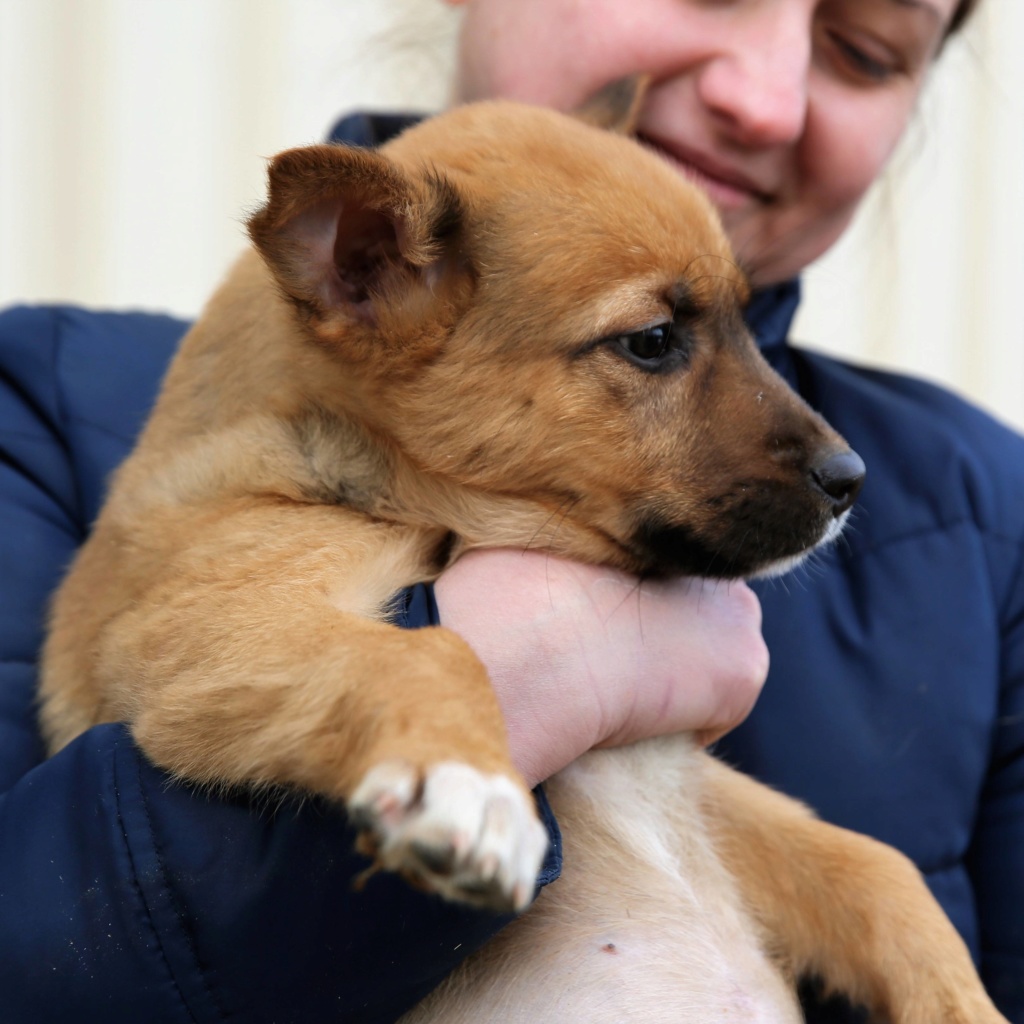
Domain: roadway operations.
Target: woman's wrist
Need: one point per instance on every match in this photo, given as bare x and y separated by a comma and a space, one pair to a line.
581, 656
512, 629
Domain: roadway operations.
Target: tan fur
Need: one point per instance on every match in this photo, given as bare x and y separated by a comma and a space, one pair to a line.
420, 356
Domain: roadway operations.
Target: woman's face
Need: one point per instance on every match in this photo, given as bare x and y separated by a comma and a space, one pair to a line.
785, 111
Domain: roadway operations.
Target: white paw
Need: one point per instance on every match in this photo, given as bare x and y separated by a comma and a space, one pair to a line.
468, 836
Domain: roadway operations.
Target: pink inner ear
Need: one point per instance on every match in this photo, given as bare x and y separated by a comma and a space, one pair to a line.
341, 249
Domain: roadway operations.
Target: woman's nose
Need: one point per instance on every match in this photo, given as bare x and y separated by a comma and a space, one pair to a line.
757, 85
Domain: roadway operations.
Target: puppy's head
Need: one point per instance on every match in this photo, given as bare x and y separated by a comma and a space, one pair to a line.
539, 312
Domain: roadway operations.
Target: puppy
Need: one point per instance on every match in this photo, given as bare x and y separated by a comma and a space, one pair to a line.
507, 327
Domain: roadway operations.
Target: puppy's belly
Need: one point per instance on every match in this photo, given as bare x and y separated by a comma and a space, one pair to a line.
644, 925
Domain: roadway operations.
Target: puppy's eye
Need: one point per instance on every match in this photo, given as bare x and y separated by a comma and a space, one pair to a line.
656, 349
650, 343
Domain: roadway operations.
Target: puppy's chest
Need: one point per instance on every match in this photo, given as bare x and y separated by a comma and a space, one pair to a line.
644, 925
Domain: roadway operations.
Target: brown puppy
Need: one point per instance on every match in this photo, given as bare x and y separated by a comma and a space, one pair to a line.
505, 328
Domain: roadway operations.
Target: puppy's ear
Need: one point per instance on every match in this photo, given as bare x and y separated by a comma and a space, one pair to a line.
616, 107
346, 232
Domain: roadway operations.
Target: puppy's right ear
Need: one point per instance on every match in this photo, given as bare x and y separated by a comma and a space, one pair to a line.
346, 232
616, 107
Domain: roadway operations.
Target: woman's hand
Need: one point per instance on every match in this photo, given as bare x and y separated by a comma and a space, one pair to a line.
584, 657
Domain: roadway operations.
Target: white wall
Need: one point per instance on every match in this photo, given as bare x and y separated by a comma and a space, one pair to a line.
132, 132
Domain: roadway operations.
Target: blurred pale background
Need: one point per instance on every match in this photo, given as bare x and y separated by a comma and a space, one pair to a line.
132, 134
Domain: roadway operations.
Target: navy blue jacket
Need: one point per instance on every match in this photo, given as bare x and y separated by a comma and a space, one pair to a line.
895, 706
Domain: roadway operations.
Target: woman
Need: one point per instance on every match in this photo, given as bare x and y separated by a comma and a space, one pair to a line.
893, 687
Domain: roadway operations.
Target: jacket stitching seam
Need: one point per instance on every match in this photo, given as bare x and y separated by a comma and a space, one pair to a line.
942, 527
138, 887
60, 319
117, 435
182, 924
1015, 575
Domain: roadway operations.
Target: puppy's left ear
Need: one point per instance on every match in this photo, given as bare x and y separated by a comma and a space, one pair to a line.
616, 107
349, 235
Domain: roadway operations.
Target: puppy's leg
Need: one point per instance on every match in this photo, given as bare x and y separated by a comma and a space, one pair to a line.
241, 652
844, 907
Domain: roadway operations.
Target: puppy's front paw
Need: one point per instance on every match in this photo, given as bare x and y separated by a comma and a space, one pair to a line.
466, 835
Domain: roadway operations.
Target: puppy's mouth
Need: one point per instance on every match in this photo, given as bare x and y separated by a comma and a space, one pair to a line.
752, 546
728, 187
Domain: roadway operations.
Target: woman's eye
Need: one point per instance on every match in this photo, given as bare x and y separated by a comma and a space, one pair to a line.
863, 64
657, 348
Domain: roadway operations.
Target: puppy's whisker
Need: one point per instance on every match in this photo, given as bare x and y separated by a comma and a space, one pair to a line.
561, 512
634, 589
712, 256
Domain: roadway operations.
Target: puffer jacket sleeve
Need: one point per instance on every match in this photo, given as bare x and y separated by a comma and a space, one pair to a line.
996, 857
124, 897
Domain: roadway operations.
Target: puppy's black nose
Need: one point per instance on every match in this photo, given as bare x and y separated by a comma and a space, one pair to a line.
839, 476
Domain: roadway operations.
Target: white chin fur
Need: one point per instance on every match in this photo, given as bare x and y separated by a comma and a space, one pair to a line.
784, 565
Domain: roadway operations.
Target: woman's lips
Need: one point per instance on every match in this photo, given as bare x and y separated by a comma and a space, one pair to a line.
728, 189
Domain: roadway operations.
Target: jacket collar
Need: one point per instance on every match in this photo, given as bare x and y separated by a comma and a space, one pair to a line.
769, 314
370, 130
